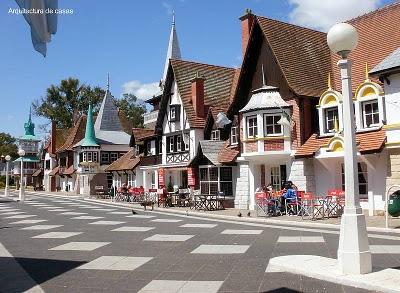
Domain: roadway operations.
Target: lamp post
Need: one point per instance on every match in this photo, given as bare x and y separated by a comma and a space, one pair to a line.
21, 153
354, 256
7, 189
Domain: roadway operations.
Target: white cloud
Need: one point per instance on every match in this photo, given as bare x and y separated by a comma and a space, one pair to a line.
322, 14
168, 8
143, 91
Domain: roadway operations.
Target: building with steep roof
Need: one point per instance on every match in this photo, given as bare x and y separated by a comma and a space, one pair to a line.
29, 142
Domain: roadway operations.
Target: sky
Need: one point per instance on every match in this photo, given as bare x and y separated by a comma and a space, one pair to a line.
128, 39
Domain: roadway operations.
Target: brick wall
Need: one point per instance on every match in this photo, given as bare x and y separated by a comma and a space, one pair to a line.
274, 145
251, 147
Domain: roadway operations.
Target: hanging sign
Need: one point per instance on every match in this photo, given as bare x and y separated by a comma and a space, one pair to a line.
191, 177
161, 181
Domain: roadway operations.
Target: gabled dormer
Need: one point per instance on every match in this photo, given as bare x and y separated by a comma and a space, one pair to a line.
330, 111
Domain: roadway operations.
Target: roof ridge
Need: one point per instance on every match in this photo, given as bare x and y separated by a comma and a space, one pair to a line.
375, 11
201, 63
291, 24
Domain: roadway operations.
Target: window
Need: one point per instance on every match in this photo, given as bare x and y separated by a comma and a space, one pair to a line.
252, 127
174, 113
271, 125
234, 135
113, 157
370, 113
362, 180
178, 143
105, 158
215, 179
148, 148
330, 115
171, 144
215, 135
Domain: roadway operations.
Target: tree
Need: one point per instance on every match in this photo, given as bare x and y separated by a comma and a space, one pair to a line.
67, 101
8, 145
133, 109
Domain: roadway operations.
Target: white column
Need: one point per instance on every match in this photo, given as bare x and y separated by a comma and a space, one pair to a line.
22, 187
7, 189
354, 256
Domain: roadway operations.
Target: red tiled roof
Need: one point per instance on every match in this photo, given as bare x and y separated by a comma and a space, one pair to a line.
367, 142
217, 86
127, 162
379, 35
302, 54
142, 133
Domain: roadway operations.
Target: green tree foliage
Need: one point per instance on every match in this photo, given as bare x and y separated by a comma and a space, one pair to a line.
133, 109
67, 101
8, 145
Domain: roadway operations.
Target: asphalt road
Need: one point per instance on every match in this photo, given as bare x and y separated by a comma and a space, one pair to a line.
59, 244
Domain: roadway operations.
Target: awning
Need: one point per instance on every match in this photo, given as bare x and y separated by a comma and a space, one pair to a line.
37, 173
54, 172
29, 159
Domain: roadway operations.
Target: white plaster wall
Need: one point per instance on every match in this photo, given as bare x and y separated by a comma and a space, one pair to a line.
242, 186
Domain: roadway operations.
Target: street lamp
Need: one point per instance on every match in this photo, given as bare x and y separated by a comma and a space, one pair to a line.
7, 189
354, 256
21, 153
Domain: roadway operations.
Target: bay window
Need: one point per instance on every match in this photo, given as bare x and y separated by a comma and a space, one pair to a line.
252, 129
271, 126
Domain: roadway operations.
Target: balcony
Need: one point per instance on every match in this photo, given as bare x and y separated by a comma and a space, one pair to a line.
150, 117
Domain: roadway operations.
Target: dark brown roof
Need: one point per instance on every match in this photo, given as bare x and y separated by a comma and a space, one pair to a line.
142, 133
367, 142
302, 54
54, 172
127, 162
76, 134
217, 86
379, 35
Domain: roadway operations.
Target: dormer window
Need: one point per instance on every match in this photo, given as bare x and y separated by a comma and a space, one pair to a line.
252, 129
331, 114
174, 113
215, 134
370, 112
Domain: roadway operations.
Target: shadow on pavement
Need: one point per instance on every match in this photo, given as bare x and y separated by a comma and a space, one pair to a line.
21, 274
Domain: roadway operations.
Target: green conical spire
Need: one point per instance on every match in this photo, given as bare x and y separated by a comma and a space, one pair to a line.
29, 127
90, 137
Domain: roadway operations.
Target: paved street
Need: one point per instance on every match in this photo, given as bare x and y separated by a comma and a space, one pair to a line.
71, 245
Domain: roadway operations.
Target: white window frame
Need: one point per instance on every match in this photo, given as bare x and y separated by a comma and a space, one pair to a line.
326, 121
171, 144
275, 119
254, 127
234, 135
103, 155
113, 155
178, 143
172, 113
364, 114
215, 134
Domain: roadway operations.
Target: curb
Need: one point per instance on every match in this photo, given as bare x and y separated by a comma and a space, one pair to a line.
246, 220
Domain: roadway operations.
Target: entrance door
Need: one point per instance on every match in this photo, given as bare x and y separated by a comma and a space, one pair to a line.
184, 178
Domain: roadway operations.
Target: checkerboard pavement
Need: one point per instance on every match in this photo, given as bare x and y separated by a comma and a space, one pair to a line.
153, 252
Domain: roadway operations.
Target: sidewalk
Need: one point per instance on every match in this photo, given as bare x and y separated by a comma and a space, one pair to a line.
374, 223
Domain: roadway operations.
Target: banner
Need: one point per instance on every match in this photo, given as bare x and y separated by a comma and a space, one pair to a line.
191, 176
161, 180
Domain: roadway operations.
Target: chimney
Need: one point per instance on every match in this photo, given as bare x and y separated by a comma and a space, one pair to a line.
198, 95
53, 136
247, 23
